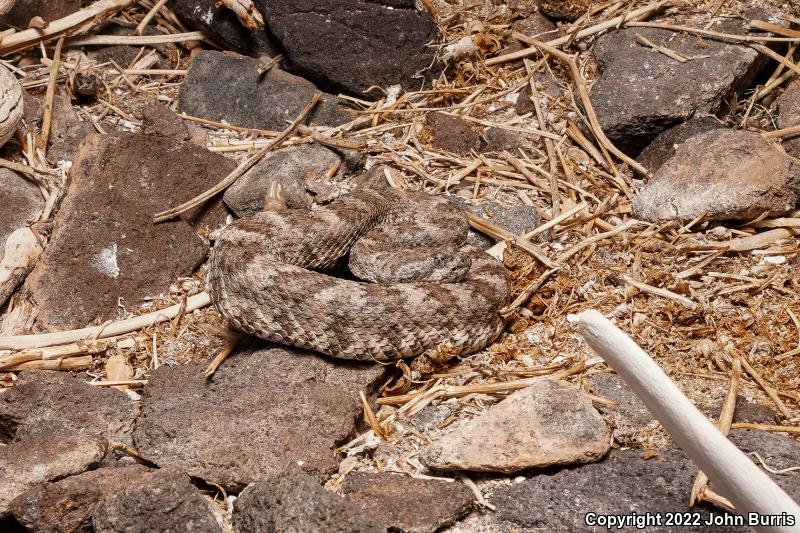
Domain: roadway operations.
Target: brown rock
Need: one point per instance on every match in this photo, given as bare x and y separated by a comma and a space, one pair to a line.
232, 430
408, 504
25, 464
535, 25
50, 10
162, 500
548, 423
452, 134
642, 92
159, 120
56, 403
269, 101
67, 505
725, 174
788, 108
293, 502
67, 130
566, 9
105, 249
663, 147
351, 45
293, 167
501, 139
21, 201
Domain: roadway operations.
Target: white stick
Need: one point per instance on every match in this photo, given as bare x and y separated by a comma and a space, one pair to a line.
734, 475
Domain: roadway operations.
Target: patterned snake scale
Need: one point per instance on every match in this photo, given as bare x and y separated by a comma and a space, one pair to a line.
411, 284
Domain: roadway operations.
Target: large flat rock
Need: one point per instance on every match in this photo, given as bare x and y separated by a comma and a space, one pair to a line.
228, 88
351, 45
548, 423
293, 502
46, 403
263, 409
67, 505
105, 250
25, 464
21, 201
725, 175
642, 92
162, 500
408, 504
624, 483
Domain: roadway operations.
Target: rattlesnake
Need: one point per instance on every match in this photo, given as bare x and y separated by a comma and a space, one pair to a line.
418, 288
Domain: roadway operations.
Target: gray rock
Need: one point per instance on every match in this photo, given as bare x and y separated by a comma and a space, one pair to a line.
779, 451
452, 134
788, 111
518, 219
548, 423
66, 506
24, 464
663, 147
351, 45
500, 139
408, 504
293, 502
630, 415
293, 167
46, 403
642, 92
227, 88
232, 430
163, 500
21, 201
624, 483
725, 174
223, 26
105, 249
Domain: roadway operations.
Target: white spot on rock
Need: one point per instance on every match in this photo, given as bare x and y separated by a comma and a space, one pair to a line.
106, 261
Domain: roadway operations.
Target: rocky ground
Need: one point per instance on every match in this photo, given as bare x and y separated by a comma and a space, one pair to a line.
643, 163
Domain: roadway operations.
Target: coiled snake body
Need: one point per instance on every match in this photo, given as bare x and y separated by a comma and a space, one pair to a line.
418, 286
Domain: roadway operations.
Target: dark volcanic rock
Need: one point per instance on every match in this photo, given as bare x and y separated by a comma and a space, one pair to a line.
67, 505
351, 45
621, 484
788, 107
724, 174
25, 464
56, 403
21, 201
663, 147
66, 130
163, 500
293, 167
50, 10
105, 250
223, 26
227, 88
408, 504
630, 415
452, 134
293, 502
534, 25
642, 92
232, 430
778, 451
